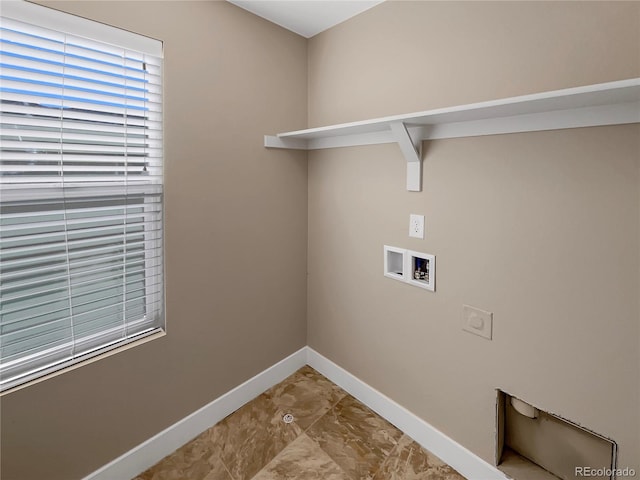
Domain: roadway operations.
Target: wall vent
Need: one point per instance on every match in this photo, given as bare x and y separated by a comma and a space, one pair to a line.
536, 445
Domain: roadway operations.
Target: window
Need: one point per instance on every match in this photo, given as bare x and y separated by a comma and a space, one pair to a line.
81, 257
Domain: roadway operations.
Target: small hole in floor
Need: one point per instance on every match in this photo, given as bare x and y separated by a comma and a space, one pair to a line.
287, 418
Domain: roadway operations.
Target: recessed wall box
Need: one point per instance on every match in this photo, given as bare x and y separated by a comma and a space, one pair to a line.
415, 268
421, 270
394, 263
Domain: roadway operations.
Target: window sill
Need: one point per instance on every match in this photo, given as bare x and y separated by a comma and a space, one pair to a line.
82, 363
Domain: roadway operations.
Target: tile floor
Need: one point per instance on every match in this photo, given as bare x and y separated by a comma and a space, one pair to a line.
333, 437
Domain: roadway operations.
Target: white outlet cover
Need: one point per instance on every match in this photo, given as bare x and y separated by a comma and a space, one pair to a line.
477, 321
416, 226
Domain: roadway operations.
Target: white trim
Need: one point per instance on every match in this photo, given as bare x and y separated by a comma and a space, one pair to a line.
464, 461
148, 453
81, 27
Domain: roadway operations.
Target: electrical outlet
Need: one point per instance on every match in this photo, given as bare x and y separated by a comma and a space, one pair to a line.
416, 226
477, 321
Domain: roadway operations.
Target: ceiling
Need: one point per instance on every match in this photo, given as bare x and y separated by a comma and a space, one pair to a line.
306, 17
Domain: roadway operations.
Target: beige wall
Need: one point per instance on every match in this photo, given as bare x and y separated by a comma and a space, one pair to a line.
517, 222
236, 226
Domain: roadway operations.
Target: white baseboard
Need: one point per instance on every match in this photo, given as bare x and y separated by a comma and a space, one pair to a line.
138, 459
148, 453
467, 463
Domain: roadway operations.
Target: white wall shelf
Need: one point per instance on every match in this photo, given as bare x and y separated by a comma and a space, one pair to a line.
612, 103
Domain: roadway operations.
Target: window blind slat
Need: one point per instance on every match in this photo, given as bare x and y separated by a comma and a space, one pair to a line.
75, 249
78, 266
28, 126
20, 292
76, 225
47, 60
63, 314
123, 137
33, 111
32, 215
42, 281
81, 199
12, 67
67, 51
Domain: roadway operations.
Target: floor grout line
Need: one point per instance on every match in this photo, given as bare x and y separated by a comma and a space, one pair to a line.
330, 408
386, 458
346, 394
391, 452
278, 410
226, 468
279, 453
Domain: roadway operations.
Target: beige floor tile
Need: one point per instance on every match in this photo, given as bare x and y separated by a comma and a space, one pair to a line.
303, 459
409, 461
196, 460
307, 395
252, 436
355, 437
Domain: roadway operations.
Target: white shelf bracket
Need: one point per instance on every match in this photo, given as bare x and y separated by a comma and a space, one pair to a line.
412, 150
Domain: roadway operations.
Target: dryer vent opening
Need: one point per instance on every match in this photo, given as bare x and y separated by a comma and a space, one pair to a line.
533, 444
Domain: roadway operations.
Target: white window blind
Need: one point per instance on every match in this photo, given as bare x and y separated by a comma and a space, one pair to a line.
81, 262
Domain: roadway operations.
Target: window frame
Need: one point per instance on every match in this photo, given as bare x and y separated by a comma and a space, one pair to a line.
62, 22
